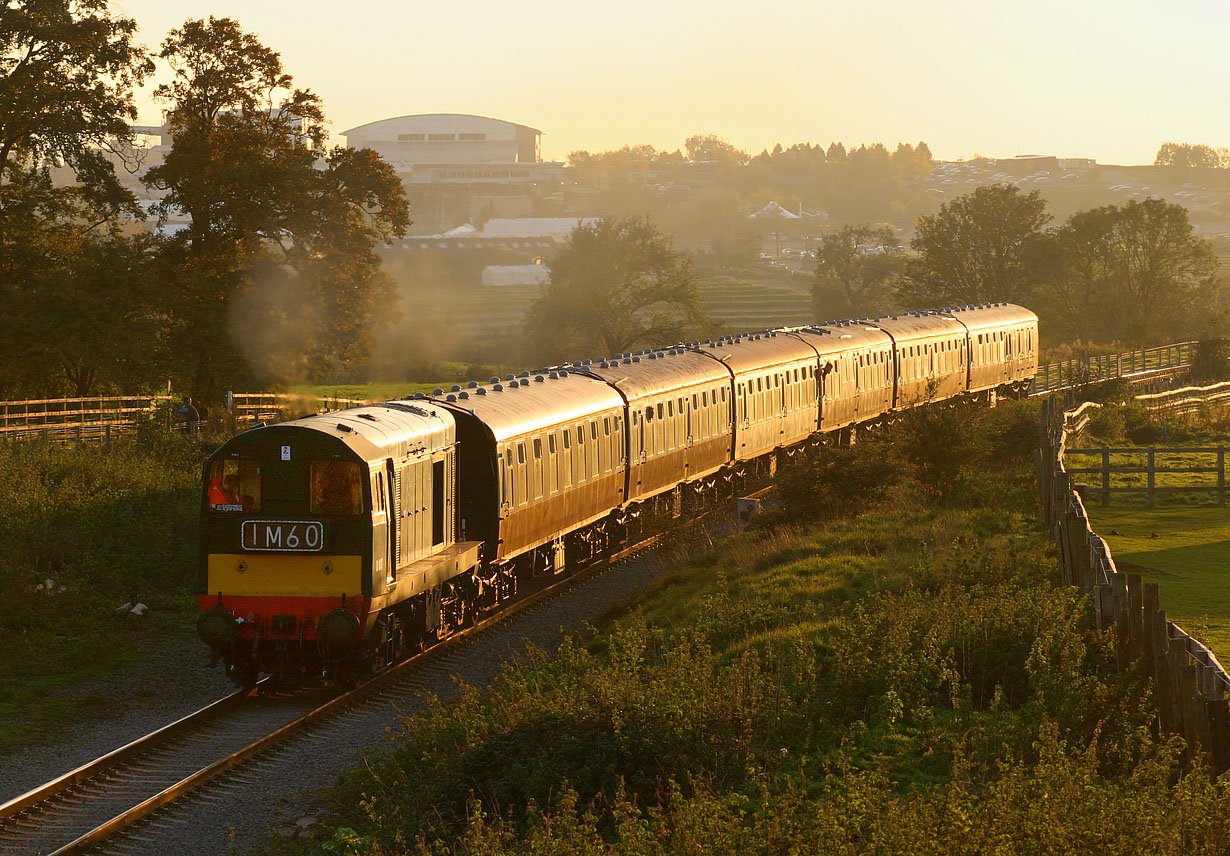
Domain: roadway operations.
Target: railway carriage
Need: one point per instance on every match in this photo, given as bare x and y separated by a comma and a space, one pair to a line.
678, 404
856, 369
542, 455
930, 353
774, 388
1003, 346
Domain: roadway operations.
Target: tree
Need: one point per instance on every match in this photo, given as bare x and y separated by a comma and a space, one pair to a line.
1188, 155
855, 271
276, 276
977, 248
704, 148
615, 285
1132, 274
67, 73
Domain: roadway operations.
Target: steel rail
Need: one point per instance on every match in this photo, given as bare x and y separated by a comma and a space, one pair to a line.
116, 757
149, 806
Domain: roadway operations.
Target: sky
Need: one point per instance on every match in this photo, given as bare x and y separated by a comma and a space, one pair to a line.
1108, 79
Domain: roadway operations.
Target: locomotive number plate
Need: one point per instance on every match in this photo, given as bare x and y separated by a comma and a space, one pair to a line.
283, 536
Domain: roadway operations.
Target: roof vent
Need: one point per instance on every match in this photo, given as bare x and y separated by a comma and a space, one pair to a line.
635, 360
454, 388
525, 374
480, 391
419, 396
563, 373
437, 391
603, 365
472, 384
345, 428
539, 379
510, 377
463, 395
451, 397
628, 360
554, 375
499, 387
494, 379
587, 362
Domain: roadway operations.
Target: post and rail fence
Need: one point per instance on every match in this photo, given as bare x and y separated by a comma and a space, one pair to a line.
1141, 363
93, 418
1150, 463
1192, 687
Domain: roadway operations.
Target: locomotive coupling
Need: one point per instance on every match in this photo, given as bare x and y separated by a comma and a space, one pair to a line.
217, 626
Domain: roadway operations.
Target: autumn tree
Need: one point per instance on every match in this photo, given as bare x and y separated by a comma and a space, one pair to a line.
977, 248
276, 276
1132, 273
1188, 155
710, 148
615, 285
68, 69
856, 268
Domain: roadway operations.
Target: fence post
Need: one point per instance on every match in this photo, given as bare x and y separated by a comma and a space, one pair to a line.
1105, 478
1152, 477
1221, 475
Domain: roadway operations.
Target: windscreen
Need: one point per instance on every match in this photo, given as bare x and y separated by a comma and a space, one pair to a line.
337, 487
234, 485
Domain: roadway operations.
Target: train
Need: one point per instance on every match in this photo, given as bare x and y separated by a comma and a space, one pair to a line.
338, 543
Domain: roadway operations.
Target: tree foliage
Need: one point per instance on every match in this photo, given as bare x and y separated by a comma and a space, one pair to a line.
977, 248
856, 268
67, 73
615, 285
276, 276
1132, 273
1189, 155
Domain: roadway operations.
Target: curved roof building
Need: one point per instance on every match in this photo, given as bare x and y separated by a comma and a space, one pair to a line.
447, 138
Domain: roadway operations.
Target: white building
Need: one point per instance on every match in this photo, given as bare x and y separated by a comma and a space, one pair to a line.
456, 148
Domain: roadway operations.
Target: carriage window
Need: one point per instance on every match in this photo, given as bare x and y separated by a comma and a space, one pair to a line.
508, 455
234, 485
537, 447
670, 408
659, 410
704, 398
520, 453
567, 439
593, 430
337, 487
551, 443
648, 414
606, 426
723, 393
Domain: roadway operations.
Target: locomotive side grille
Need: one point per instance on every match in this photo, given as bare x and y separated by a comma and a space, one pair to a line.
395, 529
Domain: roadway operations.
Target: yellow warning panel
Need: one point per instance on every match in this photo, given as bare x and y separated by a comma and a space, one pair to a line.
286, 575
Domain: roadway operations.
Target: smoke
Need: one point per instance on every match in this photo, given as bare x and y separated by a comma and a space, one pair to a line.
274, 320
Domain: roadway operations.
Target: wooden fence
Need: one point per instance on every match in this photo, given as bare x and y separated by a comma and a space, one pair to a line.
1189, 399
246, 407
1146, 361
1190, 683
1150, 469
99, 417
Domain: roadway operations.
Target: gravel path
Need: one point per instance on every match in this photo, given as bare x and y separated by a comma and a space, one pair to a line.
280, 791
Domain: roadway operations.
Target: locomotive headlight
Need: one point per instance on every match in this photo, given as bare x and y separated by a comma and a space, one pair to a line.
217, 627
339, 629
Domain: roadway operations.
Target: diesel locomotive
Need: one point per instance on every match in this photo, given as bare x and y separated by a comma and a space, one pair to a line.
339, 542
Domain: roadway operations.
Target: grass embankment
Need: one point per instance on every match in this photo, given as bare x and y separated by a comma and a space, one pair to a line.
104, 526
895, 671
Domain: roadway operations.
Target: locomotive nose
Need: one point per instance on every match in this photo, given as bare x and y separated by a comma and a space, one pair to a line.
217, 627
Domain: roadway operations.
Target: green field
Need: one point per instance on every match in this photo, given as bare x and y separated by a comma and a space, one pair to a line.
1186, 550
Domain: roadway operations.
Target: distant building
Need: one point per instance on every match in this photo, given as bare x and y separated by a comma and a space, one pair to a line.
1077, 163
1028, 164
505, 275
456, 148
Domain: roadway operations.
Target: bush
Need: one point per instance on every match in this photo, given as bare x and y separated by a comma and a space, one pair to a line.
1212, 360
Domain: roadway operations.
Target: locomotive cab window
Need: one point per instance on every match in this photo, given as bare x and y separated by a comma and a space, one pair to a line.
234, 485
337, 487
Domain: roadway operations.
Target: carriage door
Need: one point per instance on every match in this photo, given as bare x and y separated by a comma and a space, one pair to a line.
392, 492
438, 516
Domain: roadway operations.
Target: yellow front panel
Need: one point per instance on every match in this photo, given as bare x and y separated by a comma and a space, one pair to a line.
285, 575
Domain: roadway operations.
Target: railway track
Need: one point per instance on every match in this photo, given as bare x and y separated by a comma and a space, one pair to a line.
101, 799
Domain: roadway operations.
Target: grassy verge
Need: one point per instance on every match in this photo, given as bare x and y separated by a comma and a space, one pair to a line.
1184, 549
84, 529
895, 670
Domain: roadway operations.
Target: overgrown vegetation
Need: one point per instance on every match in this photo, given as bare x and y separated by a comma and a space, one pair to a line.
908, 679
82, 530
